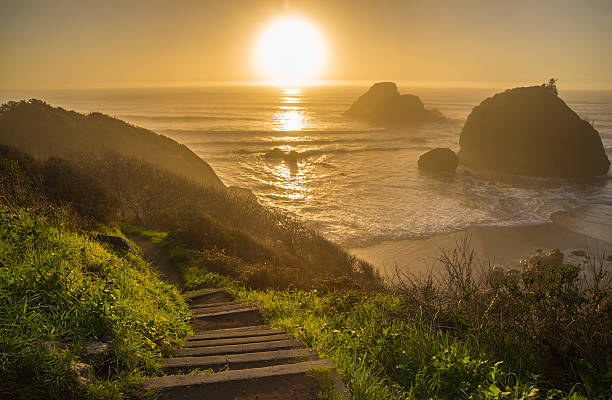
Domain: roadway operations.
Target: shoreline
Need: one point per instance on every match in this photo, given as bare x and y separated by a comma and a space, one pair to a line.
586, 228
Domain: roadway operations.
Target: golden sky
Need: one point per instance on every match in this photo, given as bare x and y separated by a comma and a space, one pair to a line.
81, 43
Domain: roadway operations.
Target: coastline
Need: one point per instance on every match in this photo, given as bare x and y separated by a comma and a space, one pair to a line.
587, 228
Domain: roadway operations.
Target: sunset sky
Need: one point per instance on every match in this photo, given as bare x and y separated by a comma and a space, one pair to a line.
64, 44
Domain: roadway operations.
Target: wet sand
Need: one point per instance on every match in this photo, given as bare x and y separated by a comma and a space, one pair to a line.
585, 229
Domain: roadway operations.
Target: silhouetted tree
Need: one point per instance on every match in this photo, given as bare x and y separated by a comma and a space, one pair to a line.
552, 86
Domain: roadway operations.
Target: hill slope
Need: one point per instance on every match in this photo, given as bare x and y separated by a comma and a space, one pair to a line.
44, 131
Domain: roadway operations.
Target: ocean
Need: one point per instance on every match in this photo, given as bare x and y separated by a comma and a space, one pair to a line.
356, 183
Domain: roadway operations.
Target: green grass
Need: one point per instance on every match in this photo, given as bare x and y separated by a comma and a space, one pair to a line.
382, 357
327, 390
58, 285
379, 353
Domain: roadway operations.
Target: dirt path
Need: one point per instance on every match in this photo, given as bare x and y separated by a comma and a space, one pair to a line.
158, 258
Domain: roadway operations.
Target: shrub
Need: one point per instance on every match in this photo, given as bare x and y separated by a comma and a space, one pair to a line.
550, 320
27, 182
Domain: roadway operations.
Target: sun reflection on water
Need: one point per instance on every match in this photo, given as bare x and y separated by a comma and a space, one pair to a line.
290, 115
290, 173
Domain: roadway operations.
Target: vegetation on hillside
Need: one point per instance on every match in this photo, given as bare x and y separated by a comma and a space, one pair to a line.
45, 131
226, 226
60, 289
542, 334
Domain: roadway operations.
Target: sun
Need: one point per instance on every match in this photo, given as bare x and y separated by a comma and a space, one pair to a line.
290, 50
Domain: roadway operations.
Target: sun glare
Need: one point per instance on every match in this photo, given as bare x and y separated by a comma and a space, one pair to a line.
290, 50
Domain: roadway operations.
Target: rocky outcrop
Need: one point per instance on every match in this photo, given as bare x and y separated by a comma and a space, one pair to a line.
439, 160
83, 372
383, 104
553, 257
117, 242
290, 157
97, 353
278, 154
531, 131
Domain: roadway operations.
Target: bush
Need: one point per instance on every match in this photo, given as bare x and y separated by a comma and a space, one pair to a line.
27, 182
551, 320
100, 188
65, 184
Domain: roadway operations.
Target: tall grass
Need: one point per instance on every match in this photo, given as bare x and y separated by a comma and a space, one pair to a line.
229, 226
450, 336
60, 286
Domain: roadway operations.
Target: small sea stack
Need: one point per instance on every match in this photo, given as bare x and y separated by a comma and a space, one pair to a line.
531, 131
384, 105
439, 160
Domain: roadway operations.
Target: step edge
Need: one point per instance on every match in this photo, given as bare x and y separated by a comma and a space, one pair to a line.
236, 358
248, 339
232, 348
248, 333
228, 312
205, 292
170, 381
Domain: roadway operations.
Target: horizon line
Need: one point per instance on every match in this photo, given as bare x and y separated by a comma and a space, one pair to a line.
312, 83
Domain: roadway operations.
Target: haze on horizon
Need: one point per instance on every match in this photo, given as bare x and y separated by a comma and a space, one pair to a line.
69, 43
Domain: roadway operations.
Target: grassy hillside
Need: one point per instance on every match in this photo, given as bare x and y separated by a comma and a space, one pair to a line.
539, 335
59, 289
44, 131
239, 234
542, 334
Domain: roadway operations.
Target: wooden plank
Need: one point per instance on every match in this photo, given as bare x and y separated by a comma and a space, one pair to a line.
258, 330
200, 310
236, 340
224, 313
205, 292
225, 303
168, 382
237, 348
244, 358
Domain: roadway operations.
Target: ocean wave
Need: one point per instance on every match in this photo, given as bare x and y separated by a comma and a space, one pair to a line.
319, 132
188, 118
301, 143
294, 156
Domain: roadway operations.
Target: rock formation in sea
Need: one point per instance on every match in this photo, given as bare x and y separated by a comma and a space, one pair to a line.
383, 104
290, 157
531, 131
439, 160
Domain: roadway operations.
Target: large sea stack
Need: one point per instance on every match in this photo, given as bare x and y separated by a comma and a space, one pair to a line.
383, 104
531, 131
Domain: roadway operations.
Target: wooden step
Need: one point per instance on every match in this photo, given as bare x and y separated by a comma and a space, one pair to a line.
237, 348
246, 331
238, 340
236, 360
199, 310
223, 313
193, 381
224, 303
202, 293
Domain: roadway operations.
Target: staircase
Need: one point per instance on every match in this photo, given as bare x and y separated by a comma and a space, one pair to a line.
248, 360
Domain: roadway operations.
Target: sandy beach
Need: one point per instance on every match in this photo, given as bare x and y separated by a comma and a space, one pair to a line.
587, 229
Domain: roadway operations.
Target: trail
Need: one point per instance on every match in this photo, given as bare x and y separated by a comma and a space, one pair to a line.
232, 355
159, 259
